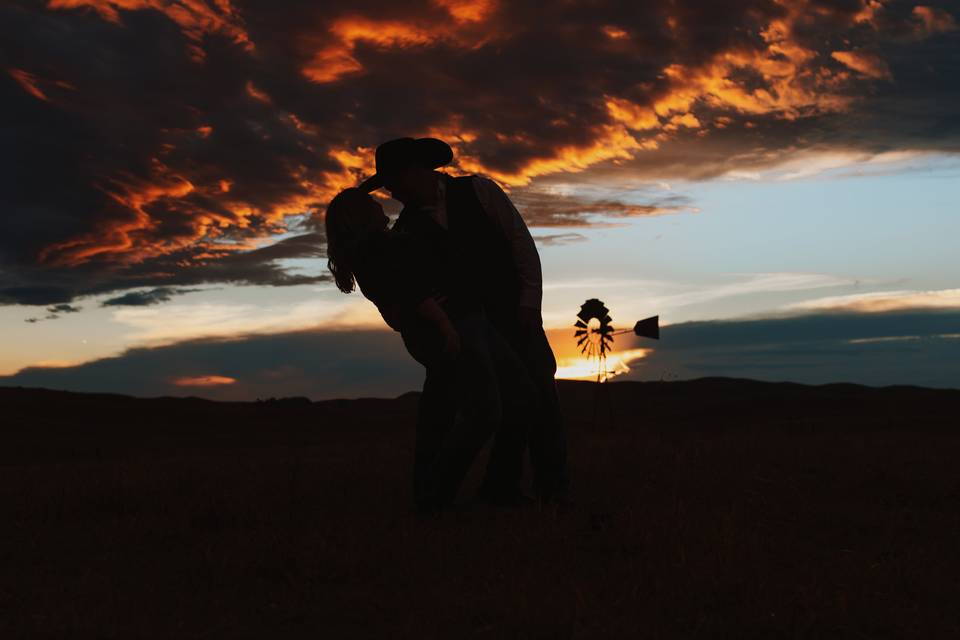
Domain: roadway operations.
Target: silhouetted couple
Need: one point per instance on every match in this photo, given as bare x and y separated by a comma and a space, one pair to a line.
458, 275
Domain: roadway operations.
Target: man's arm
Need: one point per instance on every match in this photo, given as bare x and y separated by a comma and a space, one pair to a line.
498, 206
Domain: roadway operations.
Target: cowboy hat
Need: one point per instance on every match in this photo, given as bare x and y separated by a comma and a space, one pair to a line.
398, 154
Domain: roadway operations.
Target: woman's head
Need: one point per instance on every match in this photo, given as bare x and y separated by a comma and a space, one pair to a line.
351, 215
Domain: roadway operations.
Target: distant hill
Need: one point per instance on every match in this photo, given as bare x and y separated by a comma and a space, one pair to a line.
45, 421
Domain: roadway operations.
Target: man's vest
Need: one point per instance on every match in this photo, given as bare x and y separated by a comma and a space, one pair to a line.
475, 250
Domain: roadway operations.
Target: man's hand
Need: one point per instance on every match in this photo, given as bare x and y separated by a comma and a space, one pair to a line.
529, 320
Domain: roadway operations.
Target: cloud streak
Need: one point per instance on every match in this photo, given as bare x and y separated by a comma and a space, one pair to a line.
883, 301
145, 298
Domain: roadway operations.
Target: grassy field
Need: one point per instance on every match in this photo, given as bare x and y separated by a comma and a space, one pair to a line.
706, 509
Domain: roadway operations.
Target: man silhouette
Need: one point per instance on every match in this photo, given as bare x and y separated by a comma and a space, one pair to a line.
472, 223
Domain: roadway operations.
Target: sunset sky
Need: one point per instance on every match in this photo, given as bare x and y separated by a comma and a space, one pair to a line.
777, 179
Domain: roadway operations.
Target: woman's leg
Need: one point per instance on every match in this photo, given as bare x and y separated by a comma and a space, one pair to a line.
520, 402
436, 412
475, 387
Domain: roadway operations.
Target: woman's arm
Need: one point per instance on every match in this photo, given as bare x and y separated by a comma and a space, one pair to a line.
433, 313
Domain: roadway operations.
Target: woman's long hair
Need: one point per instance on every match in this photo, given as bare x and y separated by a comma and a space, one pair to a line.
343, 235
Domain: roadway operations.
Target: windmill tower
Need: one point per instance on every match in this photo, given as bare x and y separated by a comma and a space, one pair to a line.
595, 333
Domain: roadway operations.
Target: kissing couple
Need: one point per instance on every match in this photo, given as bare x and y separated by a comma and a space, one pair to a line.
458, 275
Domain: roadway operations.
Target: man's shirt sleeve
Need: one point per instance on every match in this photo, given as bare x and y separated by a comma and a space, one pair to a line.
498, 206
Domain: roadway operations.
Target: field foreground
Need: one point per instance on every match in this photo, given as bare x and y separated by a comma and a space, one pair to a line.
707, 509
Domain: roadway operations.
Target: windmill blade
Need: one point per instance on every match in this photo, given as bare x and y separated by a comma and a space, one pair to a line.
592, 308
594, 333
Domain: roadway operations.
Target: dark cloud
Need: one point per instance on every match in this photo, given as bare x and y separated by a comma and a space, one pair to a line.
131, 166
557, 209
145, 298
64, 308
140, 165
54, 312
906, 347
173, 272
331, 364
262, 266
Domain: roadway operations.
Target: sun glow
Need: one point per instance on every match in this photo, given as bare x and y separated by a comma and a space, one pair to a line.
204, 381
580, 368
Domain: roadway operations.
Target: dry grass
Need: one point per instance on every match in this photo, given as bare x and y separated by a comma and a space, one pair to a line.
712, 509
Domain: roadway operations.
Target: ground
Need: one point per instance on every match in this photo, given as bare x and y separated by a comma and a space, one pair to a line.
705, 509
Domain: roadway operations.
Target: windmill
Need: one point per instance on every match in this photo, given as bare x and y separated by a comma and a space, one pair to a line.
594, 333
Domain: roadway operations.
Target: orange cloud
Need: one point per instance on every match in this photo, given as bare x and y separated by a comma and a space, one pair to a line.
633, 115
868, 13
794, 85
123, 239
615, 33
792, 88
29, 83
331, 61
381, 33
194, 17
135, 236
866, 63
612, 142
256, 93
334, 61
355, 165
203, 381
687, 120
933, 20
468, 10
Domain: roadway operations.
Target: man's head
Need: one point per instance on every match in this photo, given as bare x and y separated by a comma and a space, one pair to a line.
405, 168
